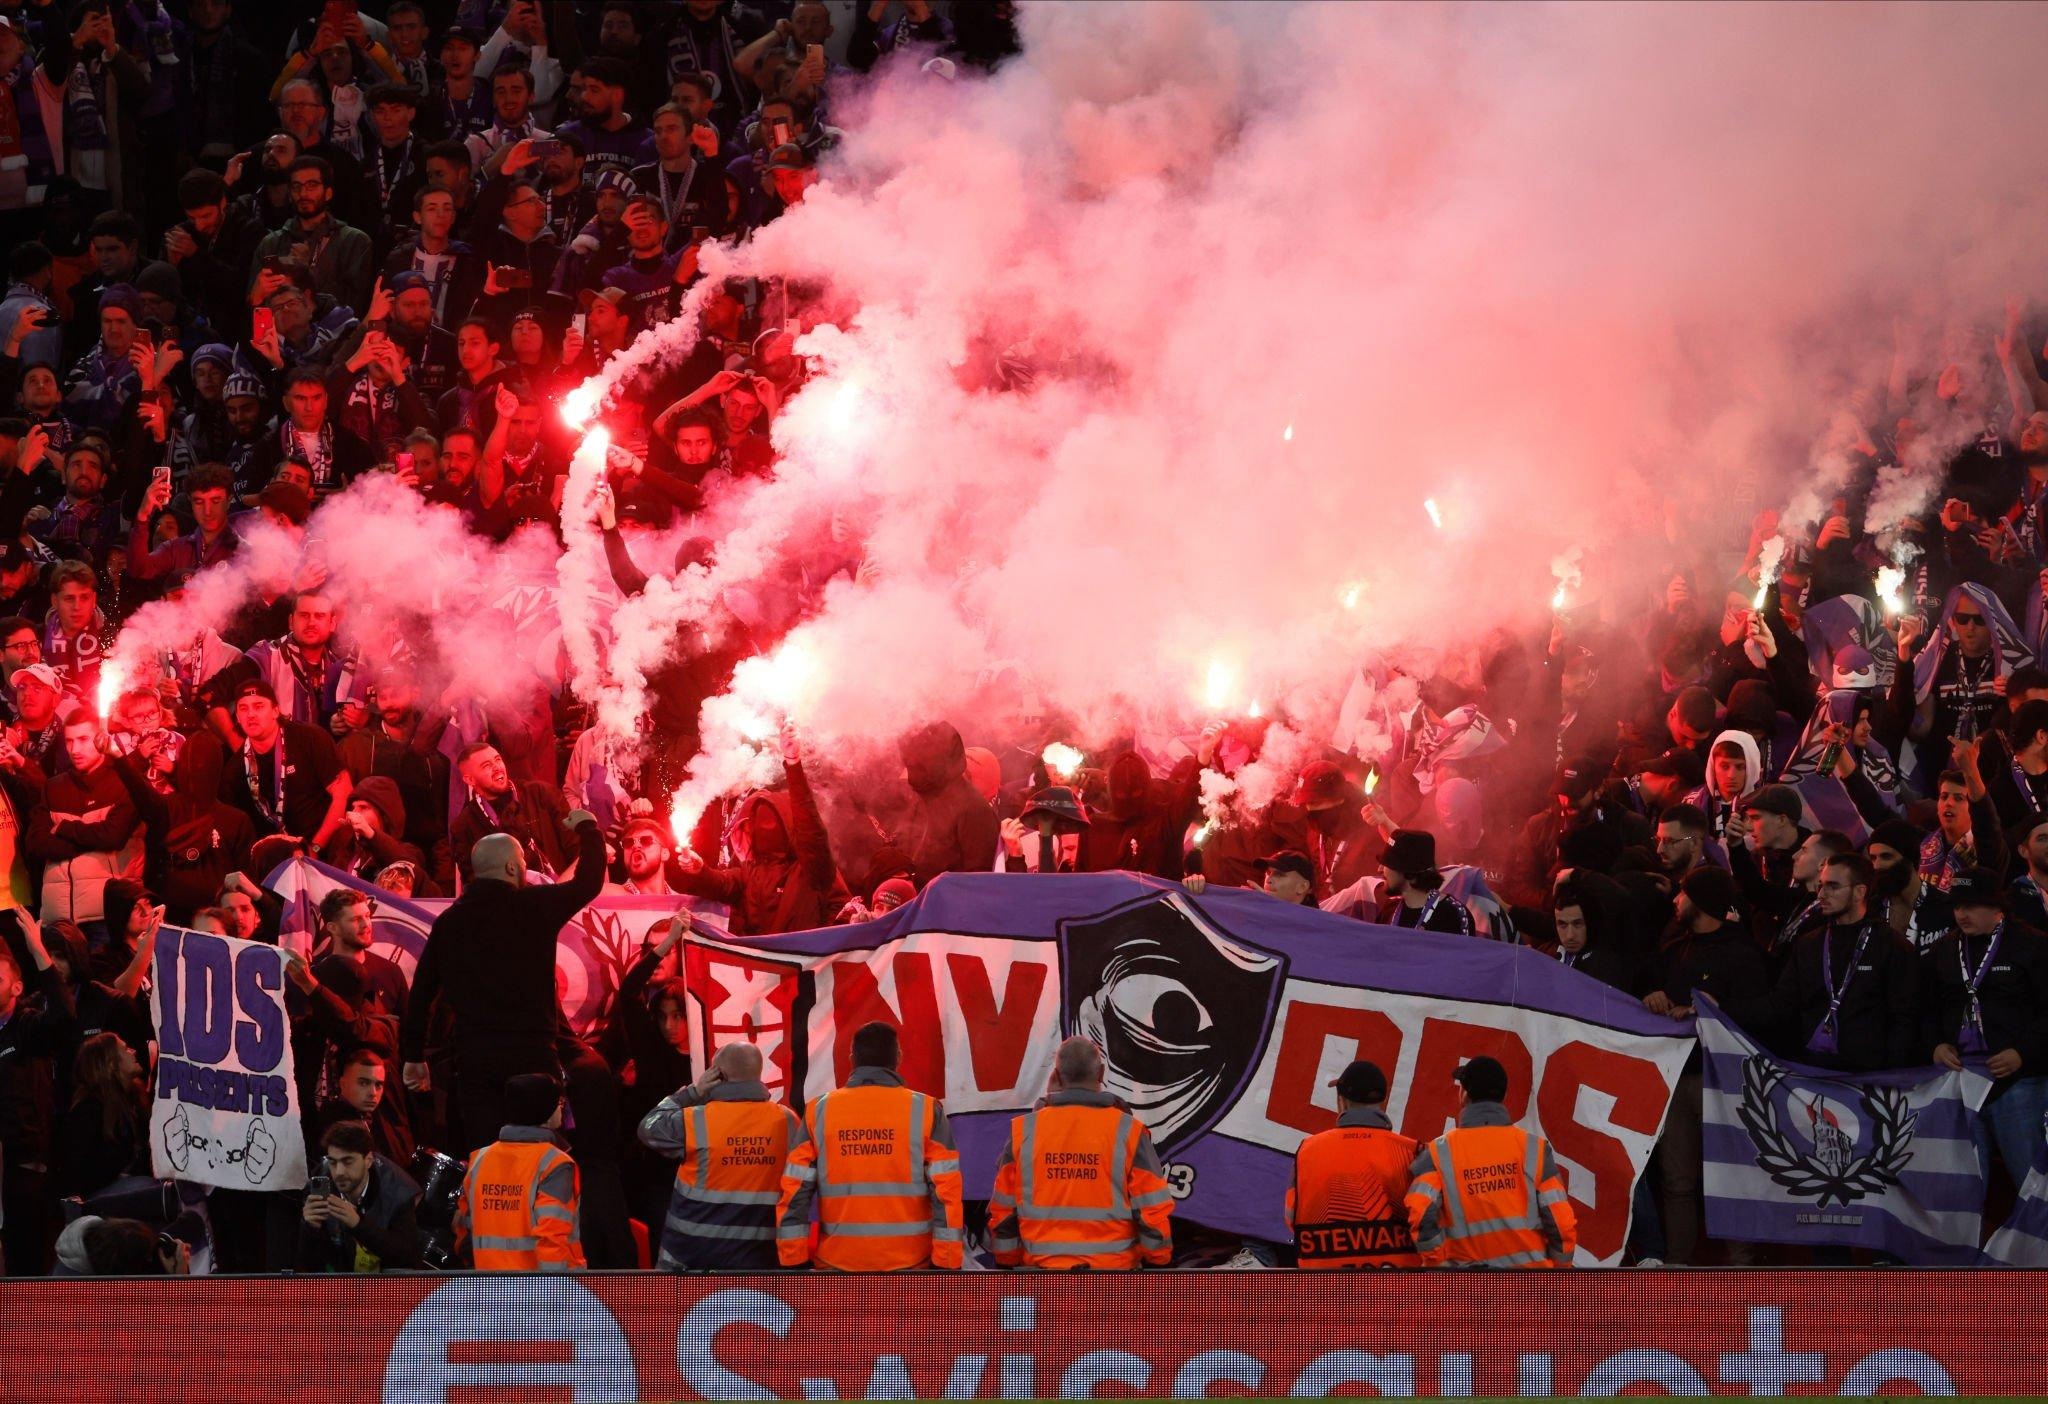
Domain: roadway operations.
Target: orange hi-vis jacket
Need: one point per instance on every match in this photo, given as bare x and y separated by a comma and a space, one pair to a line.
1348, 1204
518, 1210
733, 1143
1489, 1195
1080, 1186
877, 1161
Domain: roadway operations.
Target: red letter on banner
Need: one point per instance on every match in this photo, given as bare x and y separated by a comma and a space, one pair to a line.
1308, 1030
857, 999
1433, 1097
997, 1035
1639, 1094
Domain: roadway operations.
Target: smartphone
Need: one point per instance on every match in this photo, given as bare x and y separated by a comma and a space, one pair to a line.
262, 324
161, 474
144, 339
403, 460
699, 233
511, 277
338, 11
544, 149
579, 323
318, 1185
779, 129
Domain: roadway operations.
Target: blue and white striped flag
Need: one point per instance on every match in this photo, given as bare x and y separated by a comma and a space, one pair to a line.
1795, 1154
2023, 1240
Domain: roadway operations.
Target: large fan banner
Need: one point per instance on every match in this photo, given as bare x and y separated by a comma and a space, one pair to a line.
1224, 1018
226, 1108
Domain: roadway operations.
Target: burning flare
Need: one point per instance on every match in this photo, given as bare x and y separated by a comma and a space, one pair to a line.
1062, 762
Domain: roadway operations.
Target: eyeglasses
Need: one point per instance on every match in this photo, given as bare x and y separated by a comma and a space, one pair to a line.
1968, 620
29, 646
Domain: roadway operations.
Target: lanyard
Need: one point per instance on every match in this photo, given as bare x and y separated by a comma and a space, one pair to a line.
1830, 1021
275, 816
1973, 1024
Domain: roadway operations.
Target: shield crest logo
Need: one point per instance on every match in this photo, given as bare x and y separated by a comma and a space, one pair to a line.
1180, 1008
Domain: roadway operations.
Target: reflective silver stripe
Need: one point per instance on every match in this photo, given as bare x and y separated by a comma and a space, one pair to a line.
945, 1235
1516, 1259
490, 1244
1552, 1197
700, 1133
1454, 1206
711, 1196
917, 1171
553, 1267
1081, 1246
556, 1213
908, 1228
818, 1135
1427, 1191
999, 1200
1150, 1198
745, 1232
1082, 1213
793, 1230
805, 1174
856, 1188
1126, 1127
1027, 1163
950, 1166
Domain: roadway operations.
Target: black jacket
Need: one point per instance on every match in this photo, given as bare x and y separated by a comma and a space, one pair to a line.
1879, 1023
388, 1230
2013, 994
39, 1029
491, 956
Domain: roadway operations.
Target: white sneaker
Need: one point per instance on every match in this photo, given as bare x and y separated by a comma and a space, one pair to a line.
1243, 1258
1649, 1262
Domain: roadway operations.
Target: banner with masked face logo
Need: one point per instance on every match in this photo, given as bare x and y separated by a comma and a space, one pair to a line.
226, 1107
1223, 1019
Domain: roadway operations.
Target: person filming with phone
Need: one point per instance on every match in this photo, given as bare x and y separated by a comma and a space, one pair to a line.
360, 1209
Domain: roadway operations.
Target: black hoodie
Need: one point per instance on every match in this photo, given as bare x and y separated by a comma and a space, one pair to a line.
950, 828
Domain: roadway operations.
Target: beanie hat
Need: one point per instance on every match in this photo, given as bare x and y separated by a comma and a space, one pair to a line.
160, 279
1897, 835
1712, 892
531, 1098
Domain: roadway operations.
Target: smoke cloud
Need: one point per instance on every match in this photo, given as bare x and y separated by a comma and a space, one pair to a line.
1263, 281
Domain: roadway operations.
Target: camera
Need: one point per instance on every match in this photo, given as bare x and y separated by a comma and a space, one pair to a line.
440, 1180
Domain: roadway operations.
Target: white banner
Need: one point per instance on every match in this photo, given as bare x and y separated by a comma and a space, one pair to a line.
226, 1110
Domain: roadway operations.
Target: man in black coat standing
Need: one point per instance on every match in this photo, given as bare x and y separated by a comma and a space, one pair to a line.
491, 957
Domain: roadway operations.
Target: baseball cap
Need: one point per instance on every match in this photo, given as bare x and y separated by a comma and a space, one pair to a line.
1577, 778
1322, 786
1781, 800
463, 33
1483, 1079
893, 894
1678, 763
255, 687
1361, 1081
406, 281
1287, 860
1976, 887
39, 672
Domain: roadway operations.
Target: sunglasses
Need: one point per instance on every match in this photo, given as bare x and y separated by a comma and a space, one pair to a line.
1971, 619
